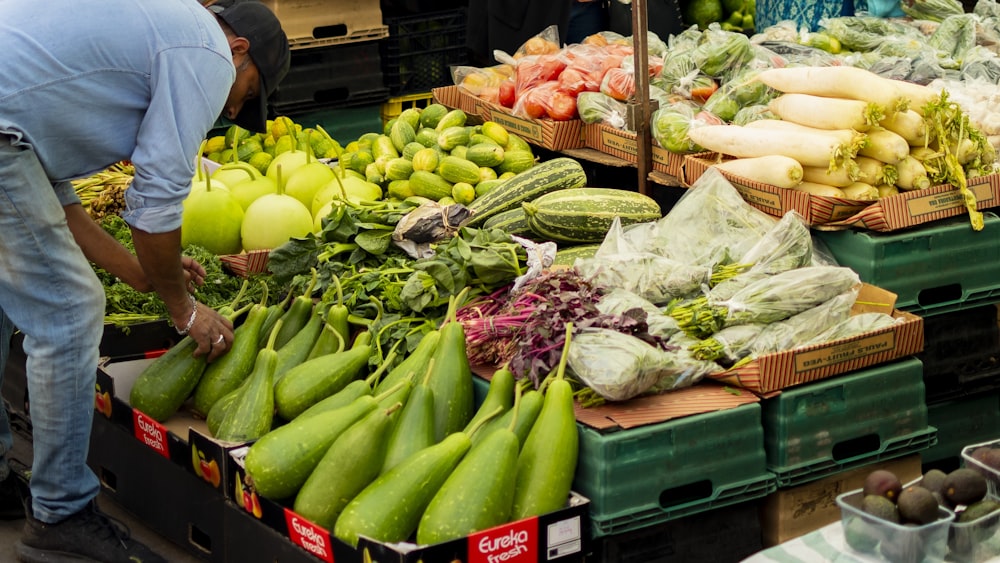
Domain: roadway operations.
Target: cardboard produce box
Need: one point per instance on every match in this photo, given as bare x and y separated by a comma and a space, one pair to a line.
312, 23
900, 211
788, 368
624, 145
561, 535
546, 133
792, 512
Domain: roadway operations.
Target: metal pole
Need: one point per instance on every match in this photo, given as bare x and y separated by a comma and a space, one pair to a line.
639, 107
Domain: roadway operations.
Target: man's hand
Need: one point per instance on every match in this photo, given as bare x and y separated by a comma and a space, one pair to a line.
194, 273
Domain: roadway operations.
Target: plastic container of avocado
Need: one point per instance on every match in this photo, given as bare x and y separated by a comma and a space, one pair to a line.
992, 475
975, 541
870, 538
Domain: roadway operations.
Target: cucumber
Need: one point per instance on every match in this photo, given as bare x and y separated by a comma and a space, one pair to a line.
453, 118
516, 161
456, 169
429, 185
283, 458
401, 134
432, 114
452, 137
585, 215
485, 154
552, 175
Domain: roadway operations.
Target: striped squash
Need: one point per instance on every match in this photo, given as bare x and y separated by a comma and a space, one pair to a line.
584, 215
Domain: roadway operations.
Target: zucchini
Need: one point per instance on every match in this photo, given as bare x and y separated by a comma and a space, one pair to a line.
252, 412
314, 380
415, 429
167, 381
552, 175
547, 462
283, 458
451, 378
348, 466
389, 508
429, 185
567, 256
231, 370
585, 215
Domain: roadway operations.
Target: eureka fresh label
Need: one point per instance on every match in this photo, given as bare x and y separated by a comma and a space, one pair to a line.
309, 536
150, 432
516, 542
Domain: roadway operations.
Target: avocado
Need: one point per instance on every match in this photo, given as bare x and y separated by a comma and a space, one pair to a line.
883, 483
988, 456
881, 507
859, 535
917, 505
977, 510
964, 486
933, 480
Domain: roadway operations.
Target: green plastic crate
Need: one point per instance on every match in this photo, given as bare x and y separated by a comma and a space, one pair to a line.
932, 268
651, 474
843, 422
961, 422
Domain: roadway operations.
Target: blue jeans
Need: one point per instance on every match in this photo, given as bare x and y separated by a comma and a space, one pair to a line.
49, 291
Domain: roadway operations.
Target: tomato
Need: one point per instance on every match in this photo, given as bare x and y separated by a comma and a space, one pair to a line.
532, 71
562, 106
531, 104
619, 84
506, 94
572, 81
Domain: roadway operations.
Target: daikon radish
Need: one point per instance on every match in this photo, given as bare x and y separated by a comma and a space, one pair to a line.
843, 135
825, 190
774, 169
885, 145
810, 149
886, 190
837, 82
874, 172
860, 191
827, 113
839, 177
911, 174
917, 95
909, 125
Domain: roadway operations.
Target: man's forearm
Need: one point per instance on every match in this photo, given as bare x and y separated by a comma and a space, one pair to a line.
102, 249
159, 255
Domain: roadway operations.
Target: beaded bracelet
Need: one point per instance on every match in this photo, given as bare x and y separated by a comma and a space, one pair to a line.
192, 318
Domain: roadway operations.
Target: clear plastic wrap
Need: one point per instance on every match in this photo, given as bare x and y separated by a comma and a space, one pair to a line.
709, 224
854, 326
720, 52
657, 279
803, 327
669, 125
615, 365
728, 345
766, 300
596, 107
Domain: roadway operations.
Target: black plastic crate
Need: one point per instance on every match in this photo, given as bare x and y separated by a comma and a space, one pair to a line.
343, 75
722, 535
961, 353
421, 49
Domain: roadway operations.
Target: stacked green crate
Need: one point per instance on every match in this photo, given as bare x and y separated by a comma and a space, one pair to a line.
836, 424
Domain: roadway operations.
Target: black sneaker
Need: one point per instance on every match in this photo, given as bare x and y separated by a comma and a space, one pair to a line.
88, 535
13, 492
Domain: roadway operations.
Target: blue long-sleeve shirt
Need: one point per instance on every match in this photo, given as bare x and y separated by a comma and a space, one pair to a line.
87, 83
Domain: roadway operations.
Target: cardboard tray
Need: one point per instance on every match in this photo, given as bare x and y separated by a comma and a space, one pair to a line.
624, 145
773, 372
313, 23
546, 133
561, 535
246, 263
900, 211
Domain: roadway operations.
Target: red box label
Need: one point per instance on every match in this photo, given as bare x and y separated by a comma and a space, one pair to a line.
309, 536
516, 542
151, 433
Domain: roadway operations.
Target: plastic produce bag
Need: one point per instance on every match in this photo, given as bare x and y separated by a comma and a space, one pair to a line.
670, 124
855, 326
767, 300
655, 278
596, 107
618, 301
802, 328
721, 52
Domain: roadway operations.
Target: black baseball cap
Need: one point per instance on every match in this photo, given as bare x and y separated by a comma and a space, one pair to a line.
268, 50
